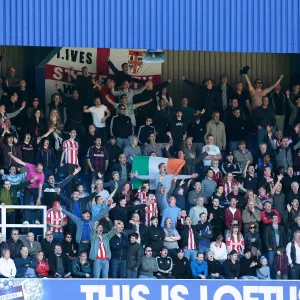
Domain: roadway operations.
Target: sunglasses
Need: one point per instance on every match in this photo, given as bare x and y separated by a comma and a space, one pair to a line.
49, 234
252, 227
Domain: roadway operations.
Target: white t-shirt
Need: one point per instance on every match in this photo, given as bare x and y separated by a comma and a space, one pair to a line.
98, 113
213, 150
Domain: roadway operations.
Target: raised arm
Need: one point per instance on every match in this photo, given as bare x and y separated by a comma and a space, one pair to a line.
17, 160
112, 66
138, 91
143, 103
73, 75
250, 86
272, 87
190, 83
15, 113
113, 103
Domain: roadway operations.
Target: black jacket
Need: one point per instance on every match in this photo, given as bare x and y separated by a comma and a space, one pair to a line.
236, 129
15, 248
156, 236
178, 129
134, 256
270, 239
196, 129
53, 264
122, 213
183, 230
245, 266
144, 132
46, 158
113, 153
69, 248
119, 246
48, 248
142, 231
263, 117
217, 223
231, 270
214, 267
165, 265
121, 126
181, 268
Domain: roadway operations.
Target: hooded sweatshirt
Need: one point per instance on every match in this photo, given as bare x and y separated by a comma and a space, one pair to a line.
131, 151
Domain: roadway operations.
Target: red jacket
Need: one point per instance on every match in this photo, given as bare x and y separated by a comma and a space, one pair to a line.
236, 216
267, 217
42, 268
218, 177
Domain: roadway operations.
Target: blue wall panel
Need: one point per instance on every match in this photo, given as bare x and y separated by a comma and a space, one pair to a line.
203, 25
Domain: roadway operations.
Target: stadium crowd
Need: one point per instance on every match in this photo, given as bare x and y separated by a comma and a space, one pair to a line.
232, 211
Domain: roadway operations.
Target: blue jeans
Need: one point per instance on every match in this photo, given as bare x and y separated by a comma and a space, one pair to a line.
101, 265
190, 254
203, 250
122, 143
282, 276
118, 266
233, 145
271, 258
147, 277
131, 273
59, 236
261, 134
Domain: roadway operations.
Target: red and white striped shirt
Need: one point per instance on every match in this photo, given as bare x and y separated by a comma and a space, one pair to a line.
71, 152
150, 211
142, 196
102, 254
56, 218
191, 240
235, 244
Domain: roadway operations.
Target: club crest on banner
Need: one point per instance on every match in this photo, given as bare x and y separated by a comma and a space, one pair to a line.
135, 61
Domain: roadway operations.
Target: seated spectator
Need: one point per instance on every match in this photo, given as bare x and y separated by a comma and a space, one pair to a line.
25, 265
253, 240
263, 273
42, 268
81, 267
165, 265
149, 265
181, 266
48, 244
69, 246
195, 194
214, 266
232, 266
219, 249
14, 244
199, 267
33, 246
3, 245
235, 241
281, 264
249, 266
7, 265
60, 264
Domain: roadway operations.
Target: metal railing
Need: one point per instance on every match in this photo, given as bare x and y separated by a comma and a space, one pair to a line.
4, 226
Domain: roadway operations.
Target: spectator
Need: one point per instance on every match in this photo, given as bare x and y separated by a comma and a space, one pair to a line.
292, 252
69, 247
171, 237
263, 273
14, 244
208, 184
81, 267
194, 194
252, 239
232, 266
60, 264
217, 129
242, 155
248, 266
219, 249
199, 267
214, 267
132, 150
251, 214
204, 232
7, 265
181, 266
48, 244
42, 268
197, 210
233, 213
214, 151
281, 264
152, 146
229, 166
33, 246
25, 265
235, 240
144, 132
134, 256
156, 236
215, 216
149, 265
165, 265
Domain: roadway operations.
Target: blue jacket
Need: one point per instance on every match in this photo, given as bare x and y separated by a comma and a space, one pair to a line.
22, 264
118, 247
199, 269
80, 223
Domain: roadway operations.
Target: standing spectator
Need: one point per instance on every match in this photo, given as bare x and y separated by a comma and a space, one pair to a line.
149, 265
251, 214
208, 184
7, 265
196, 129
214, 151
81, 267
60, 264
248, 265
132, 150
293, 254
171, 237
277, 101
197, 210
216, 217
163, 94
230, 166
181, 266
274, 237
284, 154
119, 246
152, 146
178, 129
156, 236
194, 194
263, 273
58, 106
98, 112
145, 130
165, 265
232, 266
56, 220
46, 156
25, 265
281, 264
233, 213
134, 256
235, 240
69, 156
199, 267
268, 213
252, 240
33, 246
97, 159
100, 252
242, 155
205, 234
217, 129
121, 127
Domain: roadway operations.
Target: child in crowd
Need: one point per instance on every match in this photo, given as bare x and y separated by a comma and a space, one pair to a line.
263, 273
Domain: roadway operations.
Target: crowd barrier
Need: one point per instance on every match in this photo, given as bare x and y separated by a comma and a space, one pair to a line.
146, 289
5, 226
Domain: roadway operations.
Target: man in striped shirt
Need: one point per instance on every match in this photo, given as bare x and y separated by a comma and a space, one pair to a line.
70, 156
56, 220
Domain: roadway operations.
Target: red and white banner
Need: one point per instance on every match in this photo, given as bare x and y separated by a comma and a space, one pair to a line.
58, 68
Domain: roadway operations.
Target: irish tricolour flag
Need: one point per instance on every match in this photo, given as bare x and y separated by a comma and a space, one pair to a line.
148, 166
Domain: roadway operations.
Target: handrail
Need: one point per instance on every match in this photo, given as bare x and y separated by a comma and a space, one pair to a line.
4, 226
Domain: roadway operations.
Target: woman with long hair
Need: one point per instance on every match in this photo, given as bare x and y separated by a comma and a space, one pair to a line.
235, 240
7, 265
251, 196
126, 192
37, 124
55, 123
42, 267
